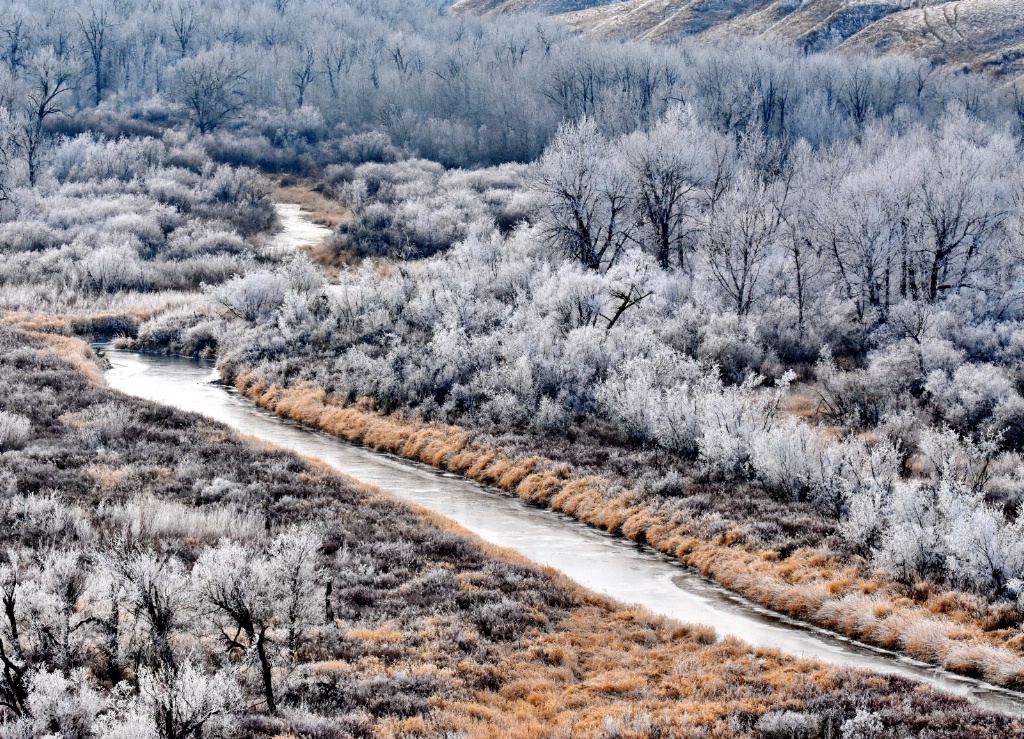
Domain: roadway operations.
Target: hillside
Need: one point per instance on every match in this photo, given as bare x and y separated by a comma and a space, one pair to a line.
982, 34
547, 7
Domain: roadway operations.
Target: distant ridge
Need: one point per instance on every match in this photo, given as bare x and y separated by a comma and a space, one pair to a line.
544, 7
984, 35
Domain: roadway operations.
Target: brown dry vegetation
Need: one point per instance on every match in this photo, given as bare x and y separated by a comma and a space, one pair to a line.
434, 630
324, 210
80, 324
963, 633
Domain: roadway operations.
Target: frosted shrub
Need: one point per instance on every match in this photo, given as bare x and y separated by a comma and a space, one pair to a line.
864, 524
294, 559
27, 235
45, 518
643, 409
789, 459
551, 416
62, 706
948, 456
15, 431
914, 544
628, 400
126, 717
253, 297
112, 268
854, 398
732, 418
985, 553
84, 158
728, 341
188, 701
788, 725
971, 395
677, 425
865, 724
104, 423
860, 480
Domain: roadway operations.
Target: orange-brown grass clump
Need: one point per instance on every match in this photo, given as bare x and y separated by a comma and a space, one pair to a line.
80, 324
424, 630
325, 211
813, 585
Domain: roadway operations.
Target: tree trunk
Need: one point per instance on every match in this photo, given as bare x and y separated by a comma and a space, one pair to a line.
268, 684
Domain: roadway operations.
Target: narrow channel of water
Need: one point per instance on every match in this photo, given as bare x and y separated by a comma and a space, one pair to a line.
599, 561
297, 230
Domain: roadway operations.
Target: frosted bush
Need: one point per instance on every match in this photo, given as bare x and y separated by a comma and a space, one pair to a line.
789, 459
788, 725
729, 341
43, 518
985, 552
677, 425
914, 544
948, 456
551, 416
971, 395
628, 400
732, 418
253, 297
112, 268
189, 700
62, 706
27, 235
865, 724
15, 431
865, 522
858, 398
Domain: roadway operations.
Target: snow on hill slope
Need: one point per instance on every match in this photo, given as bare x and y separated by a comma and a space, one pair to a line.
545, 7
981, 34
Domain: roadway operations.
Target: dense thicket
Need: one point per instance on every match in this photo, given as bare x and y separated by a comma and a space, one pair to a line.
300, 83
109, 222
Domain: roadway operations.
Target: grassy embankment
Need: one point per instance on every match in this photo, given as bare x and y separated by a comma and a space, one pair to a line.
961, 632
433, 631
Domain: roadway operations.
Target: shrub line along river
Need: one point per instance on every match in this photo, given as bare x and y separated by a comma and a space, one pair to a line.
599, 561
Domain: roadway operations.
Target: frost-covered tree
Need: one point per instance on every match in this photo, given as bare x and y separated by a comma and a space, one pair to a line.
585, 189
212, 87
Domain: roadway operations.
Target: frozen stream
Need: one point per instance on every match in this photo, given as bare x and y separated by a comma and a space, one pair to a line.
297, 230
599, 561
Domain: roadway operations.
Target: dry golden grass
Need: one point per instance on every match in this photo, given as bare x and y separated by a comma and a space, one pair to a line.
603, 662
326, 212
813, 585
70, 324
73, 351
